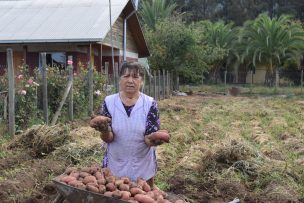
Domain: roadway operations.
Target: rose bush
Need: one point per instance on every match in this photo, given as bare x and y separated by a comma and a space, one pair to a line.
28, 95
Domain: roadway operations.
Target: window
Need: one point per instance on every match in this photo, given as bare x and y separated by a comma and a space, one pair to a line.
54, 59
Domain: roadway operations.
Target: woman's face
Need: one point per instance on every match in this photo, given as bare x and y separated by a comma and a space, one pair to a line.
130, 82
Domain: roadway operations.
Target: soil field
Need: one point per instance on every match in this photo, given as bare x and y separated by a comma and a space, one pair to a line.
222, 148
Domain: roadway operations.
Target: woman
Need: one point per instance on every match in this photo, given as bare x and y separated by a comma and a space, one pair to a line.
128, 122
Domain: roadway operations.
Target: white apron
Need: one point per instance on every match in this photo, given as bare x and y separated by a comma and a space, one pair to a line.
128, 155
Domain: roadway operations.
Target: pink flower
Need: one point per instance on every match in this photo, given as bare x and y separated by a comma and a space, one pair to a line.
30, 81
75, 74
20, 77
22, 92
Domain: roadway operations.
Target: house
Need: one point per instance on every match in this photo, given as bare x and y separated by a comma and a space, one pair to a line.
78, 28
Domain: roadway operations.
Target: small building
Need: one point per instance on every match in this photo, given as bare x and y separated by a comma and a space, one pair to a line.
78, 28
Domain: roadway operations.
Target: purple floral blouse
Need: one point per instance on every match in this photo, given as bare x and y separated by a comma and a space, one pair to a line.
153, 122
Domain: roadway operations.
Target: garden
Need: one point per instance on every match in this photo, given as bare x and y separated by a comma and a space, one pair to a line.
232, 137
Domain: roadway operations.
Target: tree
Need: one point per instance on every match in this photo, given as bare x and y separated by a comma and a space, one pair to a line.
269, 42
220, 36
153, 10
176, 47
238, 11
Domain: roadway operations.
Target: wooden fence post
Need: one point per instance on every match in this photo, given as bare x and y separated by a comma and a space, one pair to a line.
11, 92
143, 88
168, 85
149, 87
116, 76
172, 81
5, 108
164, 85
64, 97
225, 77
277, 78
70, 71
90, 83
44, 88
159, 85
302, 70
177, 82
107, 77
154, 86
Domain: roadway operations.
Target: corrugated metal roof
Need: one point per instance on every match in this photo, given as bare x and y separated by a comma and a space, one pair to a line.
24, 21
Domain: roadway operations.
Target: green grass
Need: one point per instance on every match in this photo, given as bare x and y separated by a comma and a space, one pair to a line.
247, 120
247, 90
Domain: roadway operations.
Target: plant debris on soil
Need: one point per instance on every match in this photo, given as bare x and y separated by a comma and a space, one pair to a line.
221, 148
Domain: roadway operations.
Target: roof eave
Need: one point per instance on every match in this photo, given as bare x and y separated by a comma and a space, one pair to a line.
25, 41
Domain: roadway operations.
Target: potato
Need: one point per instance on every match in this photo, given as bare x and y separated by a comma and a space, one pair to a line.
106, 172
141, 181
84, 174
117, 194
92, 188
101, 181
81, 186
89, 179
75, 174
146, 187
133, 184
93, 184
110, 187
151, 194
124, 187
67, 179
108, 194
134, 191
102, 189
179, 201
160, 135
133, 201
160, 192
143, 198
125, 195
70, 170
125, 179
119, 182
159, 197
99, 175
74, 183
93, 169
85, 169
110, 179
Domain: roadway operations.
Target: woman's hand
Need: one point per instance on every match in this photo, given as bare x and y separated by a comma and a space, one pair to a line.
100, 123
157, 138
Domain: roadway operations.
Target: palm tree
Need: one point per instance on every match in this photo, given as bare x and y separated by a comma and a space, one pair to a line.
153, 10
268, 41
222, 36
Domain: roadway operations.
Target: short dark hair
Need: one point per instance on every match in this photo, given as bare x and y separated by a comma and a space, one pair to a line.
134, 67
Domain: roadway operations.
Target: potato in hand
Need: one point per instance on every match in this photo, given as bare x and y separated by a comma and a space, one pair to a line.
100, 123
157, 138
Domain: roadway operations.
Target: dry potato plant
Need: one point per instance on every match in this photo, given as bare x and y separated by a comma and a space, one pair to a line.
221, 148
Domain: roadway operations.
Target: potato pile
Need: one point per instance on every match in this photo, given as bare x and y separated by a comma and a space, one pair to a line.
100, 180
